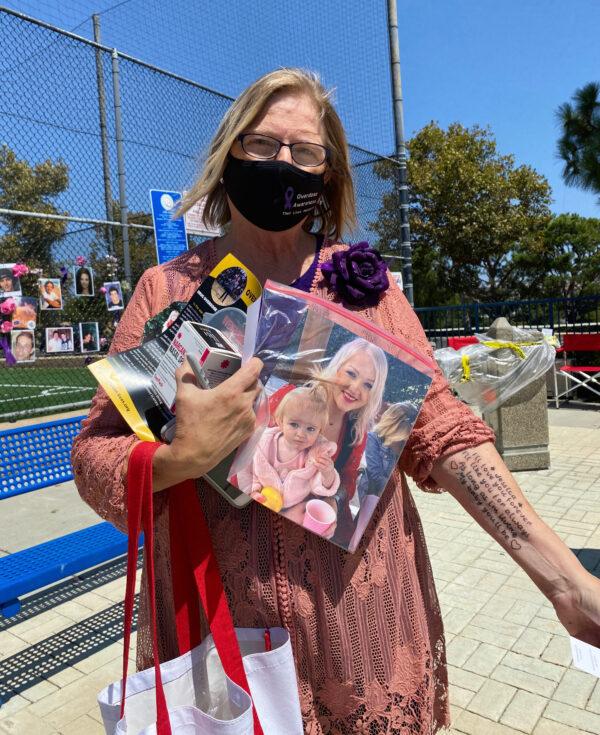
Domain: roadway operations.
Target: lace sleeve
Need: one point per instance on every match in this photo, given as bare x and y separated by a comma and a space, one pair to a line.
101, 449
445, 425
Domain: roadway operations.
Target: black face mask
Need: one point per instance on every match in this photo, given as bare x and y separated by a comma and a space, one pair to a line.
273, 195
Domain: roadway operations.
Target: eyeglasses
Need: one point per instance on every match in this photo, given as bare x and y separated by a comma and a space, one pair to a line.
266, 148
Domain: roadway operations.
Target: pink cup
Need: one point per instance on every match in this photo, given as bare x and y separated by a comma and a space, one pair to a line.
319, 516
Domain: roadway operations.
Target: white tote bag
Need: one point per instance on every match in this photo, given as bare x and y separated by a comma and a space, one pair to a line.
236, 681
202, 699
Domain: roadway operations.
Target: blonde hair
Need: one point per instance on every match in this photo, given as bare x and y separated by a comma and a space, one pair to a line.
336, 209
394, 425
365, 416
312, 396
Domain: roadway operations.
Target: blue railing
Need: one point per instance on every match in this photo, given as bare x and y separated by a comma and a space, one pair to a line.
580, 314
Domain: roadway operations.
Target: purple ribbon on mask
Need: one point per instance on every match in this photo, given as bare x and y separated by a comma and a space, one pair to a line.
5, 345
289, 198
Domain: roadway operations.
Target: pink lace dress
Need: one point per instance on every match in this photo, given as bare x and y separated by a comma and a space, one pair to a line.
365, 627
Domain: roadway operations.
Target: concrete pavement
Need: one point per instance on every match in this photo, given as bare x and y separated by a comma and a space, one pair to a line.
509, 659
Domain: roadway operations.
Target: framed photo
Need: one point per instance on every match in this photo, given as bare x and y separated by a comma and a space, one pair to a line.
113, 296
89, 338
10, 285
50, 294
23, 345
83, 278
25, 313
59, 339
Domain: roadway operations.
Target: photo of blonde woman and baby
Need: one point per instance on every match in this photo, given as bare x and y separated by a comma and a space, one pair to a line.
335, 437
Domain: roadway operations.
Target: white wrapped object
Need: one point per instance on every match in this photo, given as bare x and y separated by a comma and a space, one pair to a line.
491, 371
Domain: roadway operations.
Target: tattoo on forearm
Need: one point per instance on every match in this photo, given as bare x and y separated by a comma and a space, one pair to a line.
493, 497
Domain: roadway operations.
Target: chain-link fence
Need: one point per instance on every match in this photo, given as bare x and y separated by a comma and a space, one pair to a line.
74, 192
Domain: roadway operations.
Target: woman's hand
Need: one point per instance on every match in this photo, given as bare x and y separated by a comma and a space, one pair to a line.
210, 424
578, 609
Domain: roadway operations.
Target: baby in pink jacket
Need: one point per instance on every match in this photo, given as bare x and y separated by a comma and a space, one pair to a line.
294, 457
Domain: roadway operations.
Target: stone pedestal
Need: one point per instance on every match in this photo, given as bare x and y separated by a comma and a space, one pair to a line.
521, 423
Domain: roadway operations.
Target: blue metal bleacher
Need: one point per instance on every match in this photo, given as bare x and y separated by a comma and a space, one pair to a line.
36, 456
33, 457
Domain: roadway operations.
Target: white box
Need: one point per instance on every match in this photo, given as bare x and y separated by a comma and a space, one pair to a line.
216, 354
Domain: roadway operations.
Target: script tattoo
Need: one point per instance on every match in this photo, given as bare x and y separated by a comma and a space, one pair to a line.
494, 498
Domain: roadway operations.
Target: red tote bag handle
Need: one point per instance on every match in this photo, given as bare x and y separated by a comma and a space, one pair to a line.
195, 574
192, 550
140, 513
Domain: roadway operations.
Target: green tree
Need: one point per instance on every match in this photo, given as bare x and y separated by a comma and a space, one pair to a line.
470, 208
565, 261
579, 144
31, 188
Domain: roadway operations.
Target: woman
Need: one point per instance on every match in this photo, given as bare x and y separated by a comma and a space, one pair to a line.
84, 285
365, 628
356, 377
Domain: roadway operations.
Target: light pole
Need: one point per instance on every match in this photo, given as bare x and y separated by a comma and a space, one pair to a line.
405, 248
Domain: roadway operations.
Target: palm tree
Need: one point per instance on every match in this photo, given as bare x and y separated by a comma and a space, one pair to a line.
579, 145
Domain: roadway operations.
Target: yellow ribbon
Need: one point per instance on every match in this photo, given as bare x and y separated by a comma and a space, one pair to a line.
516, 348
466, 369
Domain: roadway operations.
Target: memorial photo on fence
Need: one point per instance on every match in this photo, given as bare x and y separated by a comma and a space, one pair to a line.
10, 285
50, 294
89, 339
59, 339
113, 295
23, 345
83, 278
25, 313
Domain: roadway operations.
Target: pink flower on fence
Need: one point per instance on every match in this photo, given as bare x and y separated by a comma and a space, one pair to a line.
6, 327
80, 260
20, 269
102, 289
8, 306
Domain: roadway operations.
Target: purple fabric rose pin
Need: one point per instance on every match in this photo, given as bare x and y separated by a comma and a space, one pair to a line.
357, 275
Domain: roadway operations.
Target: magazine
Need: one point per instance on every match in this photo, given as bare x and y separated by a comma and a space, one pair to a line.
136, 380
343, 398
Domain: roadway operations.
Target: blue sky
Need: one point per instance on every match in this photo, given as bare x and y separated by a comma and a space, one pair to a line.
507, 65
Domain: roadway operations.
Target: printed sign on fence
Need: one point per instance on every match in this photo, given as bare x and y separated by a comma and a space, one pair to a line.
169, 234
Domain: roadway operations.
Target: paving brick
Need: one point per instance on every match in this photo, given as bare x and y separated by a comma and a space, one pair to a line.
489, 636
522, 613
102, 657
473, 724
10, 644
551, 626
532, 642
524, 711
460, 649
492, 699
65, 676
497, 607
575, 688
460, 697
504, 627
594, 701
550, 727
533, 666
485, 659
13, 705
25, 723
40, 690
82, 725
456, 619
558, 651
525, 680
465, 679
573, 717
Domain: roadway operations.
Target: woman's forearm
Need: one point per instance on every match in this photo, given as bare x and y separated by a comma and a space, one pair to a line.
167, 468
484, 486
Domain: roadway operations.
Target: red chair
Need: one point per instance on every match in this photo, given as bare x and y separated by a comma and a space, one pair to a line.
581, 376
457, 342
